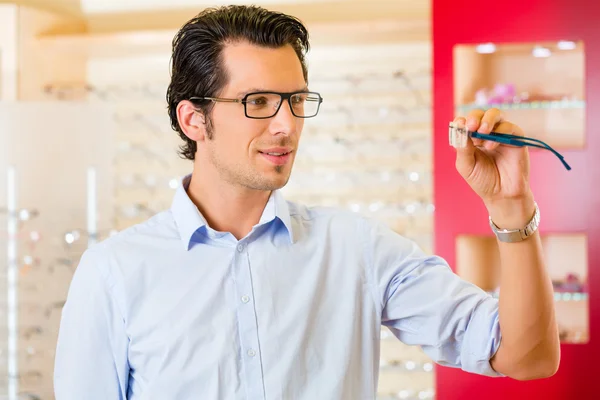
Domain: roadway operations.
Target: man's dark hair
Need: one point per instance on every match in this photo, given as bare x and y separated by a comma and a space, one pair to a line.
197, 63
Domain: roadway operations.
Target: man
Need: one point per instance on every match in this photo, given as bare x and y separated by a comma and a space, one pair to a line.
235, 293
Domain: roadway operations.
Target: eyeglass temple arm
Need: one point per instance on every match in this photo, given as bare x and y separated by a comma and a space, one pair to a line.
217, 99
520, 141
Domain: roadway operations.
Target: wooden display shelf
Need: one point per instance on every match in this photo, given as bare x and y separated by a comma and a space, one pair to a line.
478, 261
539, 86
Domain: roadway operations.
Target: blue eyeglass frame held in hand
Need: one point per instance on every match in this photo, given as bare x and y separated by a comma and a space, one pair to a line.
505, 138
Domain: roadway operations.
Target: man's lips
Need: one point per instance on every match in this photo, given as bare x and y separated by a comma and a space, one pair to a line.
276, 150
277, 156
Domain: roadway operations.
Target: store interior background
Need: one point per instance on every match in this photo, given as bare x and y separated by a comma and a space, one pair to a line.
86, 148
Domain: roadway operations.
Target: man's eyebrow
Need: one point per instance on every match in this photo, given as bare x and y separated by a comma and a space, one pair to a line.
252, 90
245, 92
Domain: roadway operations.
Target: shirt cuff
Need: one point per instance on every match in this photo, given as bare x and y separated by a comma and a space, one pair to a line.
482, 339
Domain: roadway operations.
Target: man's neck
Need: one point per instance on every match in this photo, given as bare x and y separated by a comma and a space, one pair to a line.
225, 207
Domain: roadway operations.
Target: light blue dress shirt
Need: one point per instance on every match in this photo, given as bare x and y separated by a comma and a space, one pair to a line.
171, 309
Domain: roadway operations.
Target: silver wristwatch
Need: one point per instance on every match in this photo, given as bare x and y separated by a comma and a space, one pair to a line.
517, 235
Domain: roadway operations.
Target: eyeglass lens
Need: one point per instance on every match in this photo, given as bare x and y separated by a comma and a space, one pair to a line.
265, 105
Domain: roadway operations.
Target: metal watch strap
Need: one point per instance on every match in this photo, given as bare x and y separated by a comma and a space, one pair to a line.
517, 235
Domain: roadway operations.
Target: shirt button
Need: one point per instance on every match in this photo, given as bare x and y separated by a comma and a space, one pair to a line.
240, 247
251, 353
245, 299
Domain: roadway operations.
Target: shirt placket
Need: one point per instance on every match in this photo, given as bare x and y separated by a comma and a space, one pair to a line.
246, 311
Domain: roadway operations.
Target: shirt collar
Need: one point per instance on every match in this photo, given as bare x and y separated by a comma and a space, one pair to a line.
189, 219
281, 211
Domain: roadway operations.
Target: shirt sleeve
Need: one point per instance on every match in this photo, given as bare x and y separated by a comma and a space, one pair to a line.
91, 353
423, 302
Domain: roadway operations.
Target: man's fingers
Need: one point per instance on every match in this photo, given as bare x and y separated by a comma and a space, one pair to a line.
486, 122
474, 119
490, 119
504, 127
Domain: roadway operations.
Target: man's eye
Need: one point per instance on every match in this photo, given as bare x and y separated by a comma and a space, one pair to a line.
258, 101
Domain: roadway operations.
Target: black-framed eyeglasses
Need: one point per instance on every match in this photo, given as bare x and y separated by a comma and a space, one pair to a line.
458, 135
262, 105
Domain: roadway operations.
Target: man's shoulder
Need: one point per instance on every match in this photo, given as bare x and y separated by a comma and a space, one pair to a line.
327, 215
138, 240
344, 221
161, 225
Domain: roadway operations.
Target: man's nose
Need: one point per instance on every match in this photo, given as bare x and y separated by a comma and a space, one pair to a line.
284, 121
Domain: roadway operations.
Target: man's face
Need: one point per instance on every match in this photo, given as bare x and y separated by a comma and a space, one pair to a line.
239, 145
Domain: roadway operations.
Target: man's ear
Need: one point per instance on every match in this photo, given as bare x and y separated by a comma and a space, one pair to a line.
191, 121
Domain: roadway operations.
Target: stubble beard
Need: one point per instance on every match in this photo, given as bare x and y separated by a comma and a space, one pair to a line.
239, 175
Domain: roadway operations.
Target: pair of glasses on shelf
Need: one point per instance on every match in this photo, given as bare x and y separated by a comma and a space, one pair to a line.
458, 136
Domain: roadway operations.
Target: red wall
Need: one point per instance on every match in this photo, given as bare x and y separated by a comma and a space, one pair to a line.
569, 200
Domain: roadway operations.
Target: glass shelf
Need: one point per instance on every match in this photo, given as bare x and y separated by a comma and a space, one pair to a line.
559, 296
542, 105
